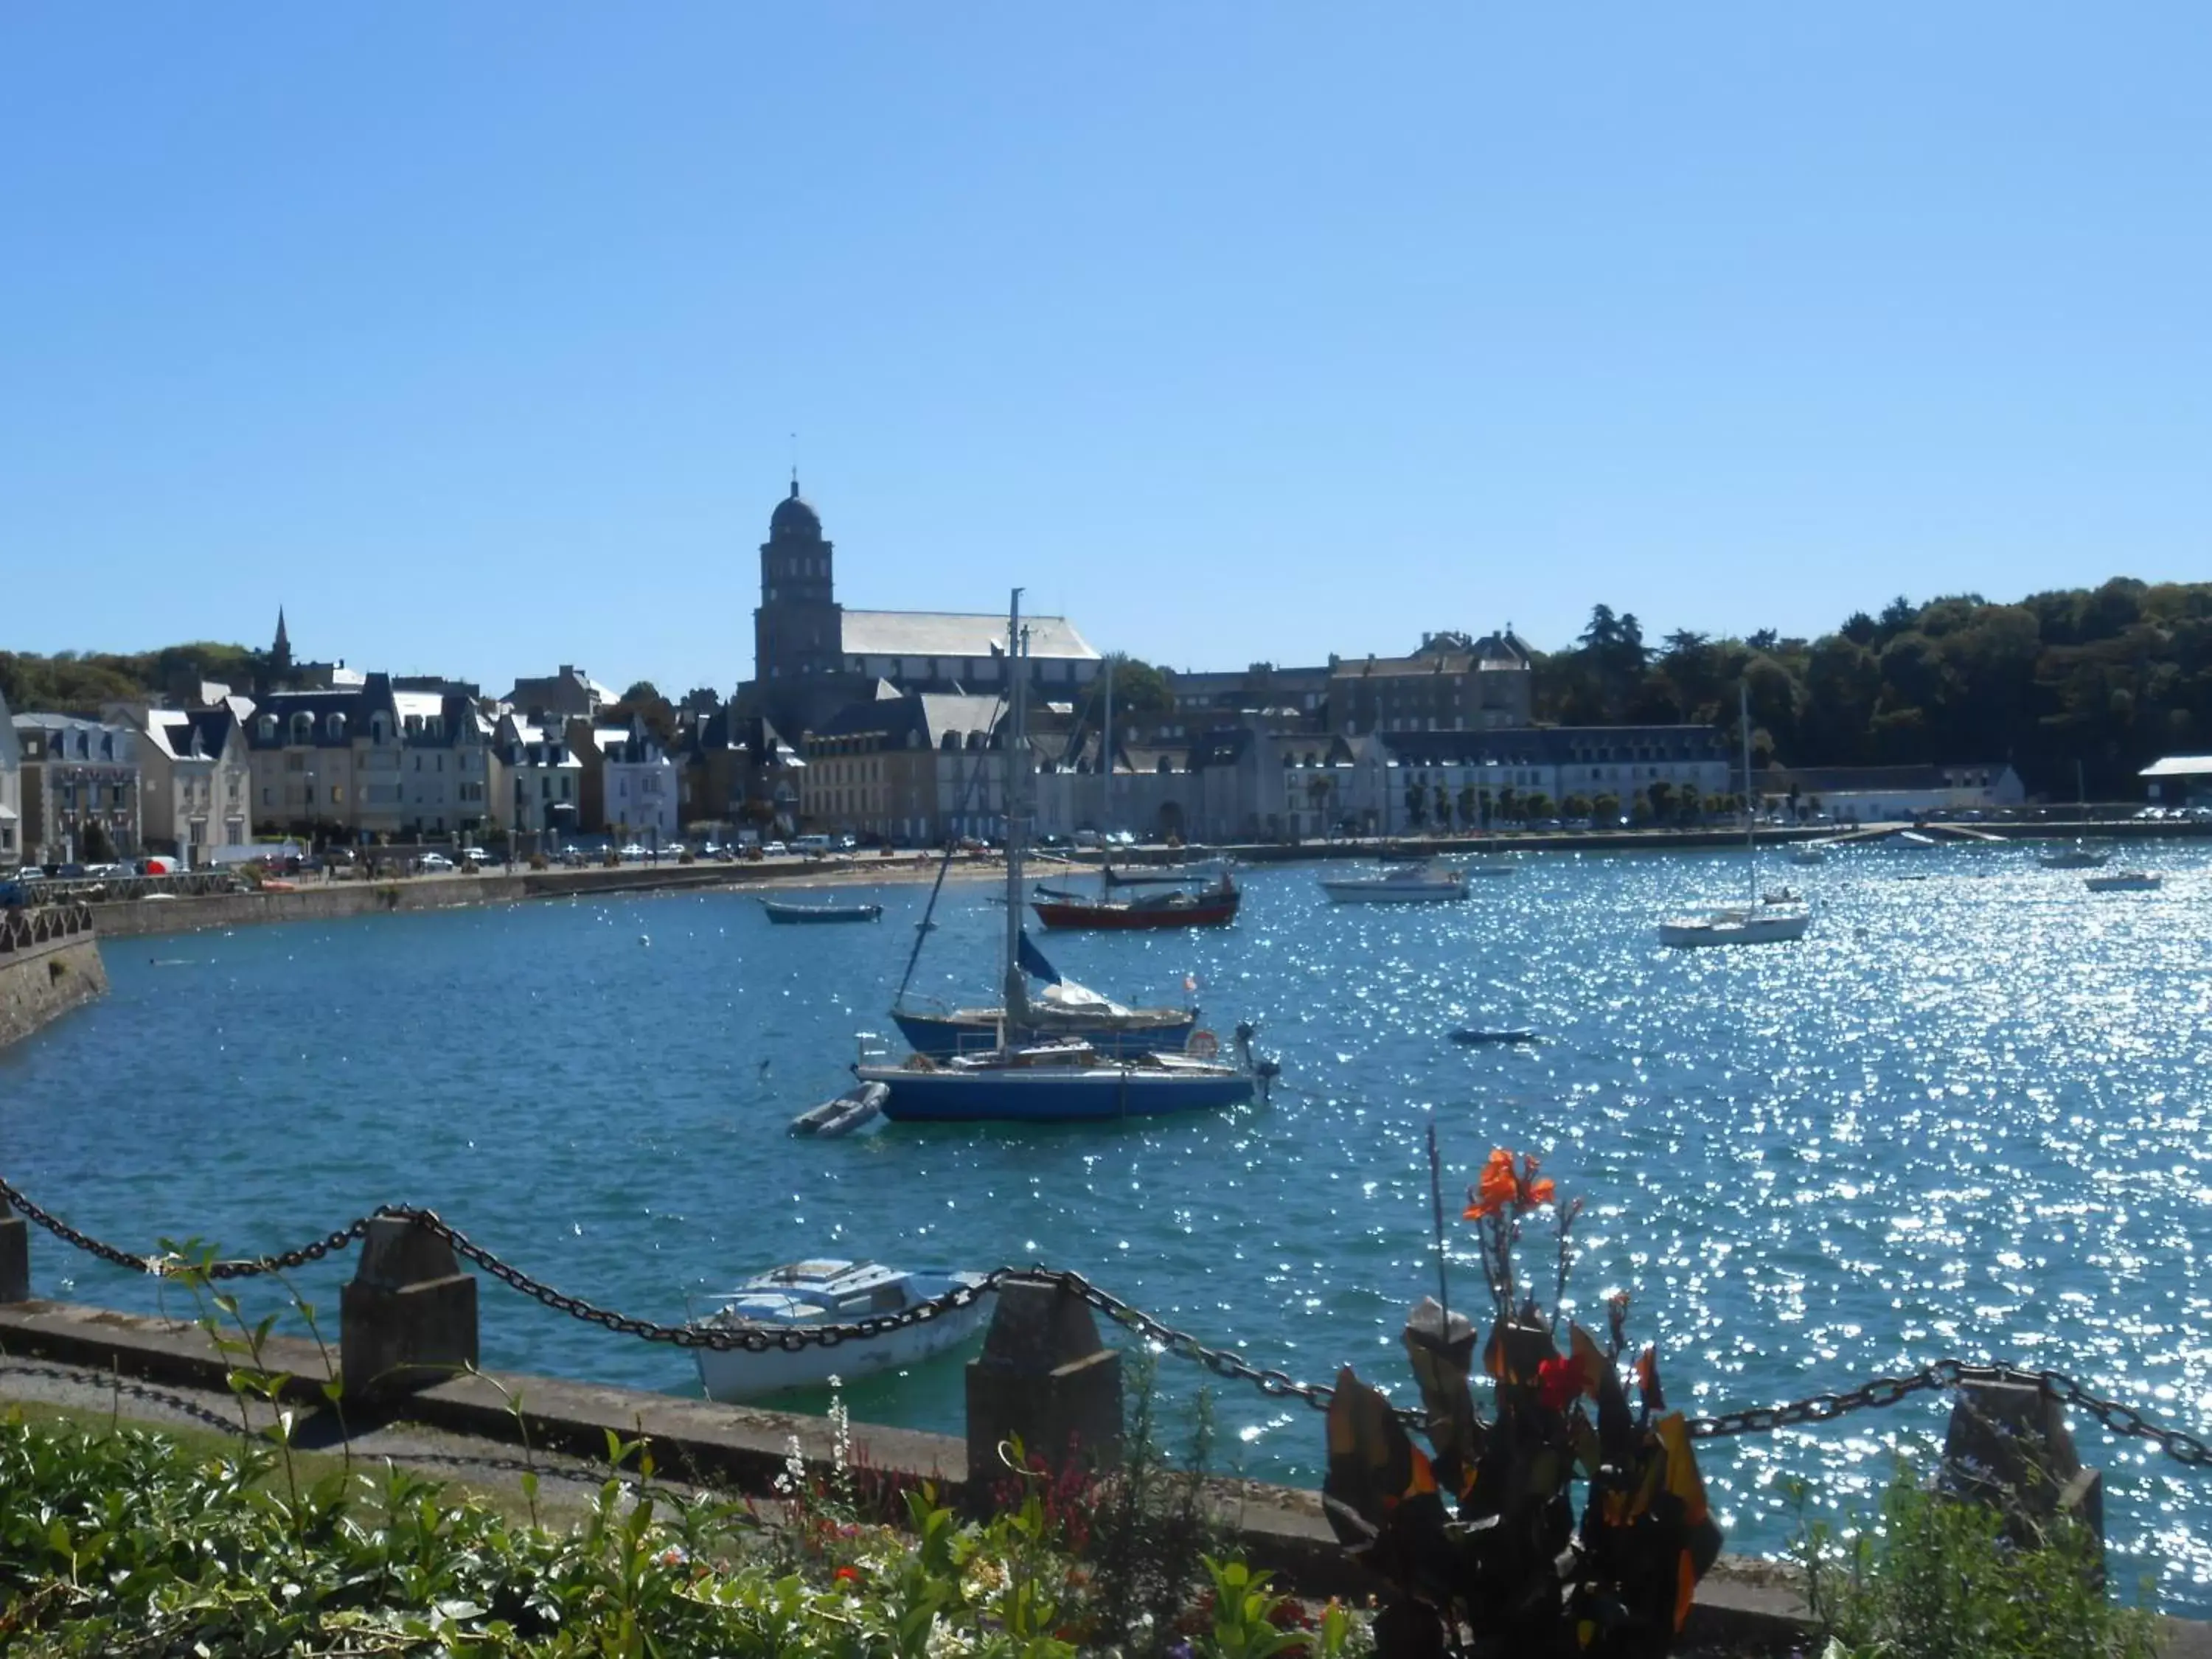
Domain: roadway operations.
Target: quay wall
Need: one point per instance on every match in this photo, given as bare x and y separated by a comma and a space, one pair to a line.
49, 965
318, 901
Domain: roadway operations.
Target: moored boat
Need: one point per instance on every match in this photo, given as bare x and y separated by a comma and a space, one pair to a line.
805, 1294
1766, 924
1772, 917
860, 1105
786, 913
2079, 856
1024, 1077
1055, 1082
1214, 906
2127, 881
1406, 883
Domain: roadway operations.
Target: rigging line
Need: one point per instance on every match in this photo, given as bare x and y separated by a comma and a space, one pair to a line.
944, 863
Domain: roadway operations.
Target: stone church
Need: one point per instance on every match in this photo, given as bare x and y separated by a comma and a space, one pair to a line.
812, 656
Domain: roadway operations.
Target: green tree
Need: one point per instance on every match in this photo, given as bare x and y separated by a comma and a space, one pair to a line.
1141, 692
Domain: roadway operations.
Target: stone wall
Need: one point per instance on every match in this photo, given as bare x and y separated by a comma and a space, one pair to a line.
316, 901
49, 965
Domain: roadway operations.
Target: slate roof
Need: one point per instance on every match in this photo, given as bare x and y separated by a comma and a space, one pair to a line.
955, 633
79, 740
171, 731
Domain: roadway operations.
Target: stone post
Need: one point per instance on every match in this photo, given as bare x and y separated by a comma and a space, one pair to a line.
408, 1317
2007, 1445
1043, 1378
15, 1259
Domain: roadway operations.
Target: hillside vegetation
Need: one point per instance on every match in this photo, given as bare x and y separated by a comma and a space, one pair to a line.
2108, 679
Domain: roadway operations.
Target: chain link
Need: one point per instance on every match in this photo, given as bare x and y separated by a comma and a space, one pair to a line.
753, 1339
1942, 1375
169, 1263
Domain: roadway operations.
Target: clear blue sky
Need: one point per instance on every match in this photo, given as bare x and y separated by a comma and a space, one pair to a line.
474, 332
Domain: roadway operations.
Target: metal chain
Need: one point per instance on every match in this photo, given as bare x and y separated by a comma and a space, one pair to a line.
753, 1339
1942, 1375
168, 1264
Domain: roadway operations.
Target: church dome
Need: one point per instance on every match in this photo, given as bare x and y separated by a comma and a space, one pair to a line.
793, 517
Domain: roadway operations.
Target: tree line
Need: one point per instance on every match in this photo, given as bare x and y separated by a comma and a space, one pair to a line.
2078, 688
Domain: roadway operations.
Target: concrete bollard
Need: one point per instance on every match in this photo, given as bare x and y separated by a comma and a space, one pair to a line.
2008, 1445
407, 1319
15, 1259
1043, 1378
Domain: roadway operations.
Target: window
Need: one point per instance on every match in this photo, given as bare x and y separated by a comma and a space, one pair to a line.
266, 725
335, 726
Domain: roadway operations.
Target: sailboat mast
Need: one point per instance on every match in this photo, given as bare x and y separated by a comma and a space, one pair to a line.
1017, 804
1106, 761
1750, 807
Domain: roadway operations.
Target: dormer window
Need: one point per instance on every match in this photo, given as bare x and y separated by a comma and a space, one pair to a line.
303, 728
335, 726
266, 727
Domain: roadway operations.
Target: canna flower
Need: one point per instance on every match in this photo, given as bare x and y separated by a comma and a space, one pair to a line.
847, 1575
1559, 1380
1502, 1187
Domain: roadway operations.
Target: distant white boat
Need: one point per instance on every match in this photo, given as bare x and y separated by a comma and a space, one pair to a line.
1764, 924
1406, 883
1769, 918
2127, 881
831, 1292
1808, 853
2076, 857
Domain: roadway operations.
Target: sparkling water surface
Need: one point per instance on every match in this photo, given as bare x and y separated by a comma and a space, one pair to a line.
1965, 1116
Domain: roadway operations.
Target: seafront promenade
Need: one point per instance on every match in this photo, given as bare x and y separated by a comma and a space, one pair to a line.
323, 901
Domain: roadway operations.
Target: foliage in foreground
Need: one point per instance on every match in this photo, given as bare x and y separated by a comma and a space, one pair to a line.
1938, 1578
123, 1543
1480, 1540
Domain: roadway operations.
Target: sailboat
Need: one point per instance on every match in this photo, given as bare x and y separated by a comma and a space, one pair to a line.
1773, 918
1030, 1074
1063, 1009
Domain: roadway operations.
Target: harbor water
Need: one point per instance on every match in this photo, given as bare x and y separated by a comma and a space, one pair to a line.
1966, 1116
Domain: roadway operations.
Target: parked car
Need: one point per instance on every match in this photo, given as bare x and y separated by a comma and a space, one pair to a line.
573, 856
774, 849
1120, 838
633, 850
477, 857
847, 844
433, 863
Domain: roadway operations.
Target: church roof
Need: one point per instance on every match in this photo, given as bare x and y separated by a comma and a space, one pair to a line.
953, 634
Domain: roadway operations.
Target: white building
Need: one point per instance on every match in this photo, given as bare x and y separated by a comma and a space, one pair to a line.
631, 787
196, 778
545, 777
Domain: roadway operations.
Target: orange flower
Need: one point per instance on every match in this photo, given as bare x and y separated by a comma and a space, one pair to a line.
1497, 1188
1559, 1380
1502, 1187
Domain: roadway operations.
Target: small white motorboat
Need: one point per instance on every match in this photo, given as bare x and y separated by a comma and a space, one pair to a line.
1406, 883
2127, 881
1812, 852
804, 1294
2076, 857
860, 1104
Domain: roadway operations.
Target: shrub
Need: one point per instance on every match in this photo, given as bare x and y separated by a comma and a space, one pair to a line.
539, 861
1938, 1578
122, 1542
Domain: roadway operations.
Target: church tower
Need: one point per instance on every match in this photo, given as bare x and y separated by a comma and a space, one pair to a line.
797, 631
